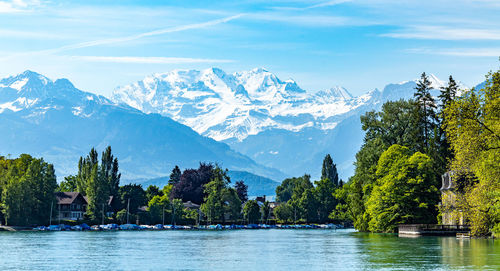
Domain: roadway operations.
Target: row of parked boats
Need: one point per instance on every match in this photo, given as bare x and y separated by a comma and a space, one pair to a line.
130, 227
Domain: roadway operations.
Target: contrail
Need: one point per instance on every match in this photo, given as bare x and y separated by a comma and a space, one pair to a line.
130, 38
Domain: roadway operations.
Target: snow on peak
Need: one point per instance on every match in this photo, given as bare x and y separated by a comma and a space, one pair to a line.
335, 93
222, 106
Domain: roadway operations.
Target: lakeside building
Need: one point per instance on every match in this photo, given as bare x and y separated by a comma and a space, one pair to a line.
70, 205
451, 214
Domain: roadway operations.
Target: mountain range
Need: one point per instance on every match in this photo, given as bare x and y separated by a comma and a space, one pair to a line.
275, 122
59, 122
260, 127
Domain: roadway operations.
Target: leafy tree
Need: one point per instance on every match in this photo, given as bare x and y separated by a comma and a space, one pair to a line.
213, 206
324, 192
69, 184
232, 203
265, 211
285, 190
158, 207
406, 190
153, 191
175, 176
251, 211
109, 172
27, 190
191, 184
472, 125
308, 205
85, 168
97, 191
242, 190
284, 213
136, 194
329, 170
177, 210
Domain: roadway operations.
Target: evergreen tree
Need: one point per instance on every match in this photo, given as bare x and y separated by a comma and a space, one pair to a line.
329, 170
242, 190
175, 176
426, 105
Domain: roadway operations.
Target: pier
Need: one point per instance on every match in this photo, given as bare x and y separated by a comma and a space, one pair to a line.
409, 230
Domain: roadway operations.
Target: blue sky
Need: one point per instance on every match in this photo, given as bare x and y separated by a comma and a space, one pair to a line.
360, 45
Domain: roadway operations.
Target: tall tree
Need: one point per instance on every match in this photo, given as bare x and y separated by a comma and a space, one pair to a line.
242, 190
472, 124
329, 170
427, 105
133, 194
109, 172
324, 192
213, 206
251, 211
175, 176
405, 191
265, 211
97, 193
191, 184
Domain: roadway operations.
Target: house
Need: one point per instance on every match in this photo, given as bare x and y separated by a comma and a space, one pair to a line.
70, 205
450, 212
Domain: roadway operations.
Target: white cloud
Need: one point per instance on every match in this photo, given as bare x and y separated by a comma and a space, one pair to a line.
445, 33
461, 52
148, 60
15, 6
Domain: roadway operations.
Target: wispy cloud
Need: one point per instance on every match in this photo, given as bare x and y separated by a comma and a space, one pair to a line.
318, 5
143, 35
15, 6
460, 52
445, 33
149, 60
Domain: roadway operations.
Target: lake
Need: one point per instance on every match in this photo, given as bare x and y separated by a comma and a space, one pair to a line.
241, 250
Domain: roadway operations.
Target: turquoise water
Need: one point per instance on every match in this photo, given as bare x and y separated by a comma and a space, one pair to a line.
241, 250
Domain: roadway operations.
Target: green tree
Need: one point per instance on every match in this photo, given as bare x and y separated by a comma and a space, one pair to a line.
308, 205
426, 105
213, 205
134, 196
327, 202
265, 211
27, 190
329, 170
405, 191
232, 203
69, 184
242, 190
286, 189
158, 208
251, 211
284, 213
472, 124
97, 193
175, 176
153, 191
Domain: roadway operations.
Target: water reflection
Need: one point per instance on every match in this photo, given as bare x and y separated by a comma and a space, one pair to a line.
242, 250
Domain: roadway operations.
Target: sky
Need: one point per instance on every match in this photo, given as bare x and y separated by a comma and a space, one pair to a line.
358, 44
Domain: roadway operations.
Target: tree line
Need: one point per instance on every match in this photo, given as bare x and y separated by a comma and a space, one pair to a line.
409, 144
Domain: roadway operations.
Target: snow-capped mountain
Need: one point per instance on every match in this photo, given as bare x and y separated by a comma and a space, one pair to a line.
59, 122
273, 121
225, 106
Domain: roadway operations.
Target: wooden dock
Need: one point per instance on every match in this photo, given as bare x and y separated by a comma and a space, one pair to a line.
414, 230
